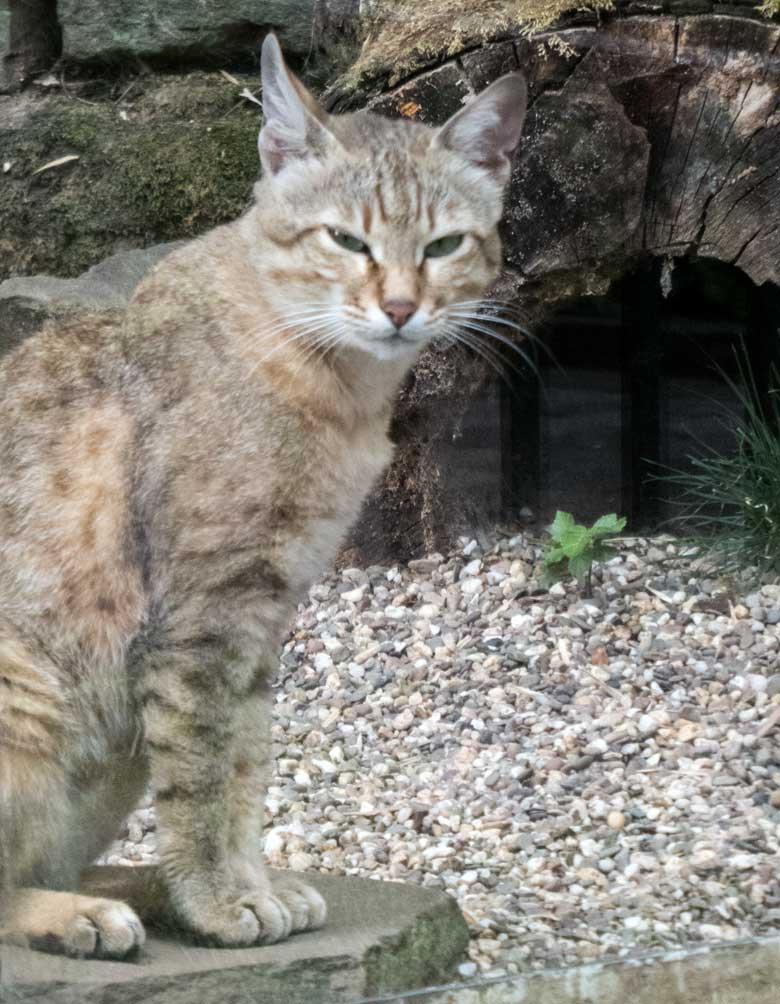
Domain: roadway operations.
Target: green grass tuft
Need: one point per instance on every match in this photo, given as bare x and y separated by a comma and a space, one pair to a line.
729, 506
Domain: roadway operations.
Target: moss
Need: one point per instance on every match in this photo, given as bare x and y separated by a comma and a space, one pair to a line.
404, 36
168, 170
425, 954
196, 95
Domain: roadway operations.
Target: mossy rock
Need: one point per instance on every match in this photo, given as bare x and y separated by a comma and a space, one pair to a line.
175, 159
110, 31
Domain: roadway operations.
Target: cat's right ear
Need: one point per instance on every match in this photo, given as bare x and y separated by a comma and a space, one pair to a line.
488, 129
295, 125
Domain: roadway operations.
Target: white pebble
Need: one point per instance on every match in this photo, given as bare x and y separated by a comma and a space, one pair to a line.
404, 720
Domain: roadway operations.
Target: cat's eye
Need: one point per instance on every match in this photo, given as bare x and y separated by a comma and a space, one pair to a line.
443, 246
348, 242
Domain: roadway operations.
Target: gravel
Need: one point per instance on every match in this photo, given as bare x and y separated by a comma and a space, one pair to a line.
587, 777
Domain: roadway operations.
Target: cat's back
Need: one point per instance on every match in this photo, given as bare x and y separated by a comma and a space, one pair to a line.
66, 442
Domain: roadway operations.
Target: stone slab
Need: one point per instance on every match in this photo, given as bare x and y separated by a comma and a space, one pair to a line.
106, 286
746, 972
381, 937
26, 302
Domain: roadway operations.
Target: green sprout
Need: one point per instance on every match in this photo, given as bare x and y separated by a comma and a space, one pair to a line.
575, 547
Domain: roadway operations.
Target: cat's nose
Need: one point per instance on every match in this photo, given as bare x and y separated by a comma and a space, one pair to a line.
399, 311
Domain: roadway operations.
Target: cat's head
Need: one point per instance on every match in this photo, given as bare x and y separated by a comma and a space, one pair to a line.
372, 232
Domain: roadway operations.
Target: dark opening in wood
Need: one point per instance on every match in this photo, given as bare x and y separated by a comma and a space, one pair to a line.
640, 378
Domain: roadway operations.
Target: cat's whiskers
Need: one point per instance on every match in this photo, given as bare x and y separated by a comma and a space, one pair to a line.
476, 327
479, 348
490, 311
319, 331
491, 318
492, 306
321, 343
298, 333
299, 323
291, 319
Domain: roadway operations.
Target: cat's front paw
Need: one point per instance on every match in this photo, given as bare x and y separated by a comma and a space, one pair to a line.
228, 926
274, 919
290, 906
306, 905
82, 926
254, 917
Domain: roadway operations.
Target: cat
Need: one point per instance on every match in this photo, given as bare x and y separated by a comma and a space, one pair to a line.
174, 479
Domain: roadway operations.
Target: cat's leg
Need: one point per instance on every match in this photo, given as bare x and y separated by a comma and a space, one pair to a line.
144, 887
191, 696
103, 801
251, 762
38, 740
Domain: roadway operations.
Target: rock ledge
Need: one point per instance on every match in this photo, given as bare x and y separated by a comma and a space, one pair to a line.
381, 937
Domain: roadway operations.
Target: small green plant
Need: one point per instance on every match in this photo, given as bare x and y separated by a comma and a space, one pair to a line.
574, 547
728, 506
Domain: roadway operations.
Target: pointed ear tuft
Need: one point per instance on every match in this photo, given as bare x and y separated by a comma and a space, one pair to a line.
295, 126
488, 129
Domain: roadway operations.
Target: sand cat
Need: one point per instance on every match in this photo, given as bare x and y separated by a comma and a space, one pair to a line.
173, 480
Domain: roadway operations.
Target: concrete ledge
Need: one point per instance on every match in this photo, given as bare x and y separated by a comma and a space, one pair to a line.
745, 972
381, 937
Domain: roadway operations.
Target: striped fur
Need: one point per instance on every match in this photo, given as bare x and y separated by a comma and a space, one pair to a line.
171, 482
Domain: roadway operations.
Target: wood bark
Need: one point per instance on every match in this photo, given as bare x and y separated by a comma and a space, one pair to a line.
34, 44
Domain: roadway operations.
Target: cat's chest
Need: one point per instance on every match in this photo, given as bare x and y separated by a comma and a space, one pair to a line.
341, 473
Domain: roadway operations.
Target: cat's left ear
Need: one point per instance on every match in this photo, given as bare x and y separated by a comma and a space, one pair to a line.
488, 129
295, 126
